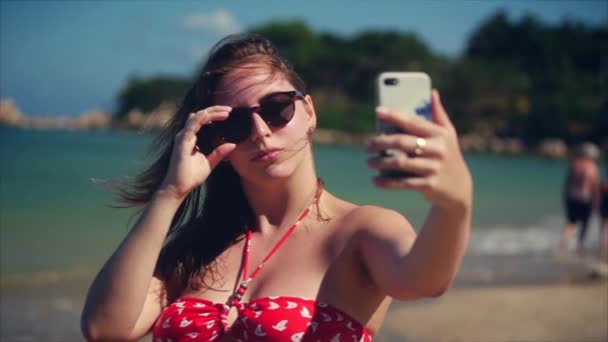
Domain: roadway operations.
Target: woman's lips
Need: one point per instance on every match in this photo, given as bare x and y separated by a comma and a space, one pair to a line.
266, 156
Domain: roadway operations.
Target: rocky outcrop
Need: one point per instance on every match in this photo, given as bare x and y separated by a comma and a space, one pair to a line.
96, 119
553, 148
549, 148
328, 136
11, 115
481, 143
150, 121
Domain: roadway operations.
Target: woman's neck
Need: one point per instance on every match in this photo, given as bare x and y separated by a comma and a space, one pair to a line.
278, 203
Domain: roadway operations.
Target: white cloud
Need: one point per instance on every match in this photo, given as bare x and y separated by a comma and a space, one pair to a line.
219, 21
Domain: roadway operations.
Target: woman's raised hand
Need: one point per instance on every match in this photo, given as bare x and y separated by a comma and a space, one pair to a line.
189, 167
432, 155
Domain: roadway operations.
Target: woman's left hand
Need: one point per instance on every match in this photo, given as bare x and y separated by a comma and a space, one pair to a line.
431, 154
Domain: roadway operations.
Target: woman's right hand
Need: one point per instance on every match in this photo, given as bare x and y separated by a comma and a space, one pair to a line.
189, 167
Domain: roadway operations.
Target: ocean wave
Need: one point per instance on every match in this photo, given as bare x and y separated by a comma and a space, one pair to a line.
542, 238
74, 274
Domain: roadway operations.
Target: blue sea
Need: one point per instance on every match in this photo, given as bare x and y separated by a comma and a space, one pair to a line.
54, 217
57, 225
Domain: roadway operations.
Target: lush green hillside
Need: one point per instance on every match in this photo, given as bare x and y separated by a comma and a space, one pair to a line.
521, 79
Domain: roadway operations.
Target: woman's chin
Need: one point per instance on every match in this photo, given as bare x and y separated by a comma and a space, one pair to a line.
277, 171
271, 171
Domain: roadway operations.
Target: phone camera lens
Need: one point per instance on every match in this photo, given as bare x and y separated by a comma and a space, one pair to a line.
391, 81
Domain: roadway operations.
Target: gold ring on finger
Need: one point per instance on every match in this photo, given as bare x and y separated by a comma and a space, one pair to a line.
420, 144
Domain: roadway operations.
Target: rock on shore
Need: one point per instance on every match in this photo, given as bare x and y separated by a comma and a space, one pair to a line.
11, 115
150, 121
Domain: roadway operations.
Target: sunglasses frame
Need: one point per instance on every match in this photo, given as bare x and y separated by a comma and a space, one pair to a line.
211, 135
293, 95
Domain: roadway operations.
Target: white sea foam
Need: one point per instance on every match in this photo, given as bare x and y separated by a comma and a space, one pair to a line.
541, 238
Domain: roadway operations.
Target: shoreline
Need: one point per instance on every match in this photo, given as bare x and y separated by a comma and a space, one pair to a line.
137, 121
555, 149
481, 306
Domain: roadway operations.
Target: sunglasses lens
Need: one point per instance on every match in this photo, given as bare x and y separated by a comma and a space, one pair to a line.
208, 138
233, 130
238, 125
278, 110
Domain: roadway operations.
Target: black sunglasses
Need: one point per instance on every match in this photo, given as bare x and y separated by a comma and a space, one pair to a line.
276, 109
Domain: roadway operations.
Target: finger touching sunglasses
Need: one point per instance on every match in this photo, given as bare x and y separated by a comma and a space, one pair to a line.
276, 109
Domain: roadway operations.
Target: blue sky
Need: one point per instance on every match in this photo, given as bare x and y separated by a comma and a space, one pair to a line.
66, 57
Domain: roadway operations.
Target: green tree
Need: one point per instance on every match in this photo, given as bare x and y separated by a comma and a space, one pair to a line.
566, 68
519, 78
147, 94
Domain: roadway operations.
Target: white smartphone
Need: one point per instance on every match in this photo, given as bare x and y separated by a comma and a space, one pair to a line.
407, 93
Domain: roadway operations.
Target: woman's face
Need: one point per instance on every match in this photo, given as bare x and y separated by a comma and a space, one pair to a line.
269, 152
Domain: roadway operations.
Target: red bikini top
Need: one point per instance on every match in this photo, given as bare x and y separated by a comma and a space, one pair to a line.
280, 318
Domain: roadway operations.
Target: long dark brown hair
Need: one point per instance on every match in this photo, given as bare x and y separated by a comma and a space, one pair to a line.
204, 226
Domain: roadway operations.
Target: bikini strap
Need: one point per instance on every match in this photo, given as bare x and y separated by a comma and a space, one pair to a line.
287, 234
273, 251
235, 299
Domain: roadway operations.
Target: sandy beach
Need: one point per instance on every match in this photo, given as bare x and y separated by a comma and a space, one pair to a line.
565, 303
511, 313
511, 298
573, 313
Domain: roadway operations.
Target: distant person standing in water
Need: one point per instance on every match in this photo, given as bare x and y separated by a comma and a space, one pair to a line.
581, 194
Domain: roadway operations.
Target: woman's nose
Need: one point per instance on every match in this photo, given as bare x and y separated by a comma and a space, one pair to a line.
259, 127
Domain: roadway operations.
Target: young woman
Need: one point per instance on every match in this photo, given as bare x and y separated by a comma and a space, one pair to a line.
193, 271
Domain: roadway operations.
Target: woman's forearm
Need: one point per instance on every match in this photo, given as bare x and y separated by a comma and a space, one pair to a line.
439, 248
118, 293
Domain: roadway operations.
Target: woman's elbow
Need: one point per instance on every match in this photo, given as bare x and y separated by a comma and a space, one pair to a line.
90, 331
439, 291
410, 293
93, 332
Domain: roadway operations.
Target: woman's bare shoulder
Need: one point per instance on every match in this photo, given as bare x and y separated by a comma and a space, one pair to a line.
352, 218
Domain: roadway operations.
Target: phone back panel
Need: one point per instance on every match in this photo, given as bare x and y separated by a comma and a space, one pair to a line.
408, 93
